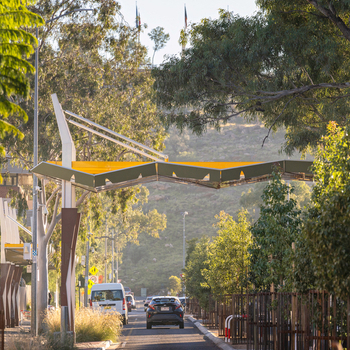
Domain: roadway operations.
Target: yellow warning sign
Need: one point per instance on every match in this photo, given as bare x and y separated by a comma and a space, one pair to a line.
93, 270
90, 284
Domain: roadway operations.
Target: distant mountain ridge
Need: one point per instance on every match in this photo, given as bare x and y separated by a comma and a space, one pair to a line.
150, 264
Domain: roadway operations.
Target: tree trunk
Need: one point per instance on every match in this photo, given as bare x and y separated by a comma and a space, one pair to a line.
43, 283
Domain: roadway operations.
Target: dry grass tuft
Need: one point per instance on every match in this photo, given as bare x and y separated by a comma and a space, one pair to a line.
90, 325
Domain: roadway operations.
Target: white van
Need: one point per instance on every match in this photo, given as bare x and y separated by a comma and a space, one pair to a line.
109, 297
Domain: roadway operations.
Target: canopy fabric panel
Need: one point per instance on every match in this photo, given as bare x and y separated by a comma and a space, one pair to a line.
102, 176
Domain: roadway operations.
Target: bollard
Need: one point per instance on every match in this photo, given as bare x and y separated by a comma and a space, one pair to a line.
227, 328
64, 323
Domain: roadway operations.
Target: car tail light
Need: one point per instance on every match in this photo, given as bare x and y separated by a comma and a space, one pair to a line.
151, 307
123, 303
91, 303
177, 307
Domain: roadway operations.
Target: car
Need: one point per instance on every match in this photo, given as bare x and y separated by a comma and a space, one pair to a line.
146, 302
109, 297
130, 302
127, 290
165, 310
183, 301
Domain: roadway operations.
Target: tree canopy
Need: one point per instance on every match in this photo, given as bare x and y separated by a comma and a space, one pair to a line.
273, 233
327, 223
16, 46
287, 66
228, 258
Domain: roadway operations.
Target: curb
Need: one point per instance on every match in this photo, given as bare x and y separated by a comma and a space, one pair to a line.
105, 345
217, 341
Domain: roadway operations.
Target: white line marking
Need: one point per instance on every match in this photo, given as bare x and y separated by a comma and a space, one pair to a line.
123, 345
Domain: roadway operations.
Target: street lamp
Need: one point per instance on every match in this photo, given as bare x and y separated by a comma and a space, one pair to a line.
34, 322
184, 238
184, 244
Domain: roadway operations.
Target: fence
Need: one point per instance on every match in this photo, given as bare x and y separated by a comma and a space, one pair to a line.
281, 321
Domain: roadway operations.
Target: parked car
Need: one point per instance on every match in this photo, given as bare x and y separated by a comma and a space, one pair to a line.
109, 297
165, 310
130, 302
146, 302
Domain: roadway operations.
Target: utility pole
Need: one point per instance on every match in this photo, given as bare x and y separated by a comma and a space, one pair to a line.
113, 267
184, 244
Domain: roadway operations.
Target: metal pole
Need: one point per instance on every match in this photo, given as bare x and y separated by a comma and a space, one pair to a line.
117, 259
34, 321
106, 253
87, 266
106, 261
113, 267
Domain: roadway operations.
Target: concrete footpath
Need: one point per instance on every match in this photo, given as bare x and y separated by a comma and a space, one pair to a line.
219, 342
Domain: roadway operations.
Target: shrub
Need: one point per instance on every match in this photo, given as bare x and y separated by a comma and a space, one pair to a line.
90, 325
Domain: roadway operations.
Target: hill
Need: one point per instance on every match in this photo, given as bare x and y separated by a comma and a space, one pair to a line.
150, 264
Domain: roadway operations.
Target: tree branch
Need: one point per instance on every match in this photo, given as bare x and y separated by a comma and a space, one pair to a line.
275, 121
54, 220
331, 15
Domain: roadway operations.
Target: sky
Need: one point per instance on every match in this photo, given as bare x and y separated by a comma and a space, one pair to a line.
169, 14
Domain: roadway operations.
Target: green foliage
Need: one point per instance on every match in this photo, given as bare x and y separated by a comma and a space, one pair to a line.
253, 197
273, 66
197, 261
273, 234
327, 222
228, 258
174, 285
160, 38
16, 45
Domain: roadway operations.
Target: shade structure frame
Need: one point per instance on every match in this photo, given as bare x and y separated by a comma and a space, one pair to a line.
208, 174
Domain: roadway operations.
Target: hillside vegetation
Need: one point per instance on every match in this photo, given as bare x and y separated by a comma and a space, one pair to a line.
150, 264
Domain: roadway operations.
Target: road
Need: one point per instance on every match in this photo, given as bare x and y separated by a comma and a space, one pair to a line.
135, 336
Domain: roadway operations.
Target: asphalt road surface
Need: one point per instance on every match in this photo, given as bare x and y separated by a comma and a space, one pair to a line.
135, 336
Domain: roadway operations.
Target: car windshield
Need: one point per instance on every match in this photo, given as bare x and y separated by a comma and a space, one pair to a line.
102, 295
164, 300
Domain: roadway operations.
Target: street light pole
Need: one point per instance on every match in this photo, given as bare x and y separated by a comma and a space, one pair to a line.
34, 321
184, 244
184, 239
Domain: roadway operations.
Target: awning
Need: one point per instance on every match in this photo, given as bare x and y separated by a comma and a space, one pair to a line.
14, 254
103, 176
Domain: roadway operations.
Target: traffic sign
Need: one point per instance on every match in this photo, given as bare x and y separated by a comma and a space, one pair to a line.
90, 284
93, 270
93, 278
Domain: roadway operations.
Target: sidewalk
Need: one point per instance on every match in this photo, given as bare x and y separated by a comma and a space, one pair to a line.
21, 332
213, 336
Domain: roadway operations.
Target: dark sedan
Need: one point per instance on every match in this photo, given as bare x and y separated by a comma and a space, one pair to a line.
165, 311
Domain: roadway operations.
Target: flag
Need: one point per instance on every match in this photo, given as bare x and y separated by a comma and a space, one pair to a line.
185, 18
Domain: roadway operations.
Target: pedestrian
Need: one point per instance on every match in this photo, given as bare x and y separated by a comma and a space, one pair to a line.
50, 297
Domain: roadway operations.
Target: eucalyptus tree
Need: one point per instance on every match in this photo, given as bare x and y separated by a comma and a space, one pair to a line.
287, 65
94, 63
160, 39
